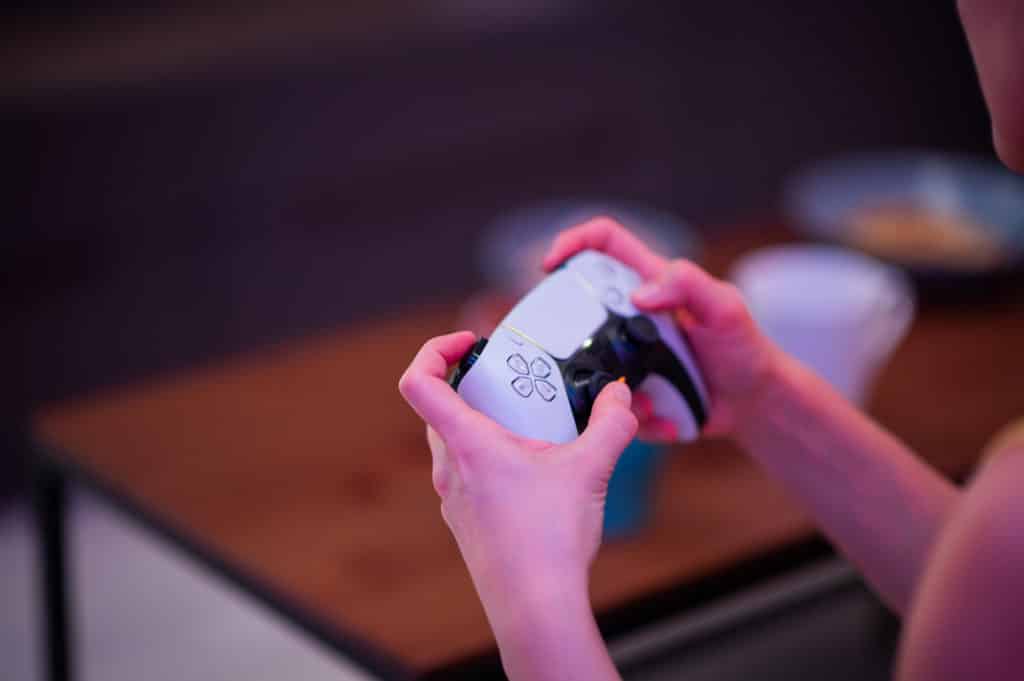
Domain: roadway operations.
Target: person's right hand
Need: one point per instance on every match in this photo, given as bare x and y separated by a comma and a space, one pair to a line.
534, 507
526, 514
736, 359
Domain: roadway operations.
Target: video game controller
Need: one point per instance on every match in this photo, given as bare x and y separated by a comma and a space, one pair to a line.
576, 331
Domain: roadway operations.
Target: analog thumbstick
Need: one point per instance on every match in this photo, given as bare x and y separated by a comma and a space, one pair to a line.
596, 383
641, 330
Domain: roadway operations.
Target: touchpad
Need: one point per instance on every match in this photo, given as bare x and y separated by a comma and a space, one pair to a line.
558, 315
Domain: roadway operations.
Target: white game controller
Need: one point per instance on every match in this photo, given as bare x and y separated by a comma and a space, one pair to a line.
575, 332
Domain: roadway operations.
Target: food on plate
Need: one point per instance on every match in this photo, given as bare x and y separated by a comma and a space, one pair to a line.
915, 235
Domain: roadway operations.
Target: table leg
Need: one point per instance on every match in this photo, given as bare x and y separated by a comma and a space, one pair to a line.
49, 495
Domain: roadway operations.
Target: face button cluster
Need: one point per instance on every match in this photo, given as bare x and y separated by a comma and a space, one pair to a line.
531, 376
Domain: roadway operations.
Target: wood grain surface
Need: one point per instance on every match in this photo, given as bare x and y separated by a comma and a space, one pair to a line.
301, 464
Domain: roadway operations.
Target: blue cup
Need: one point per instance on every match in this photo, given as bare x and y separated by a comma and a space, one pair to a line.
631, 489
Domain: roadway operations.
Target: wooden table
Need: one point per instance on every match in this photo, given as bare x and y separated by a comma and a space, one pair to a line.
298, 471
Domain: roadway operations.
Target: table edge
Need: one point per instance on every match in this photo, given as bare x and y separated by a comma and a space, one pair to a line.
340, 641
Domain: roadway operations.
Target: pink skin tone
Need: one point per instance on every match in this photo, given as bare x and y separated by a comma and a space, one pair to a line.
733, 355
527, 514
995, 29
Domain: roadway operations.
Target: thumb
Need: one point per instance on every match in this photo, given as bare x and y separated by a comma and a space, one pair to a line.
612, 426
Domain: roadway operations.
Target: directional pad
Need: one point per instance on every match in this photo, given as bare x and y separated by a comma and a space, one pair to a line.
523, 386
518, 364
540, 368
531, 376
546, 390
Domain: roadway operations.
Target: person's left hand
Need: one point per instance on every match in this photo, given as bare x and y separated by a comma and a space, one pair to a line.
520, 509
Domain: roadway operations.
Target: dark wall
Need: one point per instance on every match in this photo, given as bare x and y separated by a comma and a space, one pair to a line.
171, 220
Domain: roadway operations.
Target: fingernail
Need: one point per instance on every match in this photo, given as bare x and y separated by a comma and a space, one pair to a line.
646, 291
620, 392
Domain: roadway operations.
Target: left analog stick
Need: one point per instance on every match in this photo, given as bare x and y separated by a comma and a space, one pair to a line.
596, 383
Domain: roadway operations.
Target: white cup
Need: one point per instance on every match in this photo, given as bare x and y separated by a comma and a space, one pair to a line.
839, 312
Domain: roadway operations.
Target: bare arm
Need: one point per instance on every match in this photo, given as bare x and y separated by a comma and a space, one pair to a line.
545, 628
868, 492
967, 621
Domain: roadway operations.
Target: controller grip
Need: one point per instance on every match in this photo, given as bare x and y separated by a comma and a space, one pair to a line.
665, 364
467, 362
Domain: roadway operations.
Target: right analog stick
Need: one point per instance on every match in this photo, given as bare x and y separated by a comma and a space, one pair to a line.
641, 330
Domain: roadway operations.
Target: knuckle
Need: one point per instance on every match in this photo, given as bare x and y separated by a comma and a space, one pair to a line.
601, 226
681, 270
679, 275
730, 290
406, 383
733, 306
604, 221
440, 481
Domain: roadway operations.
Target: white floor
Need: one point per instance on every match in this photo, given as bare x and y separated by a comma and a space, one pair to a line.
144, 612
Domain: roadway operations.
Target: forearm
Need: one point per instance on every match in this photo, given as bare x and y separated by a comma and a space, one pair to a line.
868, 492
545, 628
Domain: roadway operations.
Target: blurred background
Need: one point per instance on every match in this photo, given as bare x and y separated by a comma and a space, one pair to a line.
189, 182
185, 183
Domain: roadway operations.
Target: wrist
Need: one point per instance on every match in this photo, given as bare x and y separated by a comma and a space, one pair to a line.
768, 398
518, 589
545, 629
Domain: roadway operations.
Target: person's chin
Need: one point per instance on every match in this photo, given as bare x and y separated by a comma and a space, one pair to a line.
1010, 146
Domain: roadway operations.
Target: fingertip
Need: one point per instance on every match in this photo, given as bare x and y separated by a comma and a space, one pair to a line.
646, 292
454, 345
556, 253
612, 415
465, 336
619, 392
